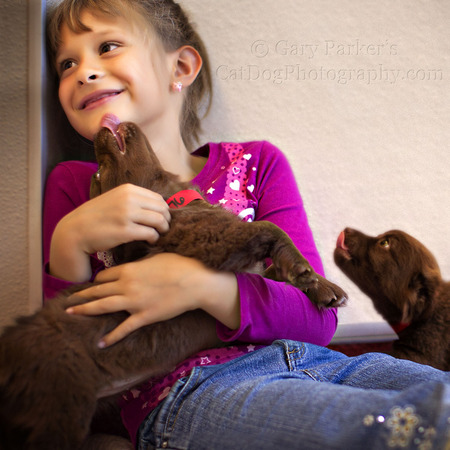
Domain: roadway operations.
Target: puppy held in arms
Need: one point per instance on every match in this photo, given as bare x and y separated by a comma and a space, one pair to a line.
52, 373
404, 282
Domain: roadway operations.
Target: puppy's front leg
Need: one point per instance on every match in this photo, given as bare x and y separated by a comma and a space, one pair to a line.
290, 265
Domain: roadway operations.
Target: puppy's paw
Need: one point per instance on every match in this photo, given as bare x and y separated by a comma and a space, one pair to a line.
298, 273
326, 294
302, 276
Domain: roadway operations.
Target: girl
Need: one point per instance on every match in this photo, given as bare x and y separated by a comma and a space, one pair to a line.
142, 61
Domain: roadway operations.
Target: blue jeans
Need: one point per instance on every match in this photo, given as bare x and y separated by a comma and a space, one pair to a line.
293, 395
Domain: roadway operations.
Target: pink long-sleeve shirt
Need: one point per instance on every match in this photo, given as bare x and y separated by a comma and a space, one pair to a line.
253, 180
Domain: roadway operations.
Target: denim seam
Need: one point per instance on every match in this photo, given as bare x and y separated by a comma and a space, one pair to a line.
313, 374
172, 417
299, 351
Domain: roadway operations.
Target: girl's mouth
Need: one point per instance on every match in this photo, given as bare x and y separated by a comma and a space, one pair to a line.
97, 98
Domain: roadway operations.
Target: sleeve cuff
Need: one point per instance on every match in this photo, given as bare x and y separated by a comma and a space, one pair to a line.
224, 333
52, 285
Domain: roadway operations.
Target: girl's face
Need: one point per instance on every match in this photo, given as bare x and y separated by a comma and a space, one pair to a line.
114, 69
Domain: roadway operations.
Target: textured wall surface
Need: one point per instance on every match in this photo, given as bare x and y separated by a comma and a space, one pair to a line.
20, 168
356, 93
13, 159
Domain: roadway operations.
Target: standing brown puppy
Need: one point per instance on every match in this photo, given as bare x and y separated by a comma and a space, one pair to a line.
404, 282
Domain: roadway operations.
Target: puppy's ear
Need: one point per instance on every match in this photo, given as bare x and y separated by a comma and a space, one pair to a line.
420, 293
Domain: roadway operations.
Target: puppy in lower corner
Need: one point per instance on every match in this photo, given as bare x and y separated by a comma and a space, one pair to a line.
404, 282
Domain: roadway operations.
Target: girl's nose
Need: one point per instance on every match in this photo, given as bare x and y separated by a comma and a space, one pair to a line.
89, 76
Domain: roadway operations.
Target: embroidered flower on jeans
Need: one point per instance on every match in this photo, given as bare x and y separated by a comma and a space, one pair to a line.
368, 420
428, 437
402, 423
405, 428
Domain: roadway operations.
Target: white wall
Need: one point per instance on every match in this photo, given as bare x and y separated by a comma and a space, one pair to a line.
356, 93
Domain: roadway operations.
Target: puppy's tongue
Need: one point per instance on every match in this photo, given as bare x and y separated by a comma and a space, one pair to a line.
112, 122
341, 241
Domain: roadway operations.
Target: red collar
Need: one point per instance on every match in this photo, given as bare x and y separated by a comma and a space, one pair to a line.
183, 198
398, 327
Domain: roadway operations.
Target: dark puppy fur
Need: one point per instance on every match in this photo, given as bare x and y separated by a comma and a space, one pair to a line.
51, 370
404, 282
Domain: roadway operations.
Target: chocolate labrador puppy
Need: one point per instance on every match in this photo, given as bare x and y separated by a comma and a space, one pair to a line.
52, 372
404, 282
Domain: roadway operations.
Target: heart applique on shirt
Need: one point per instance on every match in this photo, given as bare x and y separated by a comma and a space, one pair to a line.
235, 185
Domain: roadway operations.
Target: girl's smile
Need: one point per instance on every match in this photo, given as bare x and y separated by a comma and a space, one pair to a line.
98, 98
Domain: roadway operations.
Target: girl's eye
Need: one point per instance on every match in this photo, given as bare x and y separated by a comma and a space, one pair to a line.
66, 65
107, 47
384, 243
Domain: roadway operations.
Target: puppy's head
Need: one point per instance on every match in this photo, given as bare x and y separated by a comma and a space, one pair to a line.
395, 270
124, 155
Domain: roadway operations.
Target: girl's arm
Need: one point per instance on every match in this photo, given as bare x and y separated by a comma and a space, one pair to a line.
124, 214
76, 227
66, 188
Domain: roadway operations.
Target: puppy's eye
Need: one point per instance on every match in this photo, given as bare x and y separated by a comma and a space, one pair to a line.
384, 243
97, 175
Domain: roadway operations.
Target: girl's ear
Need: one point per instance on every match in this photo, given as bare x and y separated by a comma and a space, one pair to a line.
188, 63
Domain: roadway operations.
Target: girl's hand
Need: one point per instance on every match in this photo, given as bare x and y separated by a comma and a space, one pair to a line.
124, 214
160, 288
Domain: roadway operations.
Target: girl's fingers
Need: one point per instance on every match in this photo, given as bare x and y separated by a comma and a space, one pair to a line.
153, 219
129, 325
142, 222
158, 206
145, 230
105, 305
145, 289
105, 288
146, 200
107, 276
121, 215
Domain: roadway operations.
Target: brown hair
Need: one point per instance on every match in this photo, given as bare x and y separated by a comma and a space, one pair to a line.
171, 25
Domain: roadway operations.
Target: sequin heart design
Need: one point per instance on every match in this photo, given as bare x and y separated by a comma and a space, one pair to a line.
247, 156
251, 188
235, 185
236, 170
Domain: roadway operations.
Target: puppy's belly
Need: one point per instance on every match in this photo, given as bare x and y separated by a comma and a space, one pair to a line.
118, 386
